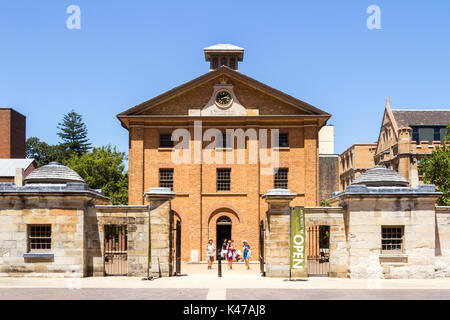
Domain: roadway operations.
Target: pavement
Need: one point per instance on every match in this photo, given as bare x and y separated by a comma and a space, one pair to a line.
198, 283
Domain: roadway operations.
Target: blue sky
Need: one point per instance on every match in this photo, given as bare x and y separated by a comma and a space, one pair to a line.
130, 51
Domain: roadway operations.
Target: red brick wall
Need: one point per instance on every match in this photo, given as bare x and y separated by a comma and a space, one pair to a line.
12, 134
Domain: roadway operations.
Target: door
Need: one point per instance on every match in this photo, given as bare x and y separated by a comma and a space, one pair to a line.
223, 232
318, 250
115, 253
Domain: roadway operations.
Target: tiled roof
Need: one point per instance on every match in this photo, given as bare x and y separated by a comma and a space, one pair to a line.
8, 166
53, 172
381, 176
421, 117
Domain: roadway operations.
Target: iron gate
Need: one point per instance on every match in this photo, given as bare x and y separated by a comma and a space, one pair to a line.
115, 250
318, 250
178, 249
261, 248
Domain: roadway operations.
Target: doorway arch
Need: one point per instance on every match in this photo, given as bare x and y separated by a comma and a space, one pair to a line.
223, 231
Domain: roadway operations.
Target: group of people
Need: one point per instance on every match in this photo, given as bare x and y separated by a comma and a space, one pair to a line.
228, 252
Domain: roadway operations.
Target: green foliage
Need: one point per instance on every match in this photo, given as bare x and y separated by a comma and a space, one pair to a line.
73, 133
44, 153
436, 169
324, 203
103, 168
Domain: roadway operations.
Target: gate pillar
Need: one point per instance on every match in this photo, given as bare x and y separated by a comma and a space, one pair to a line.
278, 232
160, 231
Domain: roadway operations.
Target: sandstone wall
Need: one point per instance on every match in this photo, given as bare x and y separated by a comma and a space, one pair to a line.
442, 251
366, 216
136, 220
66, 217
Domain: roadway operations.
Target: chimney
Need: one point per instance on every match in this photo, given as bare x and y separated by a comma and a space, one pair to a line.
18, 178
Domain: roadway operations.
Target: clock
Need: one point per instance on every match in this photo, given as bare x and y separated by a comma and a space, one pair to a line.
223, 99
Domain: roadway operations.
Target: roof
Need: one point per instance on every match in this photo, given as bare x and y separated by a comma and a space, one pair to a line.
54, 172
406, 118
8, 166
381, 176
137, 110
223, 47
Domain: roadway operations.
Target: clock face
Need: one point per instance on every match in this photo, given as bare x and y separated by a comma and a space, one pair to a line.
223, 98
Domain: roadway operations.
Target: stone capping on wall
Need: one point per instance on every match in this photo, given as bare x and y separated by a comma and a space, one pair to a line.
443, 209
72, 188
363, 190
323, 209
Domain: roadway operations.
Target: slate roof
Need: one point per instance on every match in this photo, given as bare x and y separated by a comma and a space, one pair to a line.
8, 166
381, 176
421, 117
54, 172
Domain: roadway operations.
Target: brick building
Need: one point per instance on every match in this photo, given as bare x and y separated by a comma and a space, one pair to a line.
12, 134
223, 200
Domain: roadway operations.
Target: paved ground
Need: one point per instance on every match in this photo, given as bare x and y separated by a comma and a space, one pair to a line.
239, 283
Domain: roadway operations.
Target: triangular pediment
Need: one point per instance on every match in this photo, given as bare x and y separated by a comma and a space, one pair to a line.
388, 134
254, 96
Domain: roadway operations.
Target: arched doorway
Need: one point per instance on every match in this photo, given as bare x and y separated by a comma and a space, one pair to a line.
223, 231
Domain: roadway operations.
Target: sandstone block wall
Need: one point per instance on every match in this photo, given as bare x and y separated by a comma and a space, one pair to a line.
66, 218
442, 250
364, 220
334, 218
136, 220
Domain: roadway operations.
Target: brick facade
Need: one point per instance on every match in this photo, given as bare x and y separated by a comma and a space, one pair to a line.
12, 134
198, 204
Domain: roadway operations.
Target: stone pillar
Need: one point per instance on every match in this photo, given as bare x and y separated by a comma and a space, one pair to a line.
278, 232
404, 151
161, 225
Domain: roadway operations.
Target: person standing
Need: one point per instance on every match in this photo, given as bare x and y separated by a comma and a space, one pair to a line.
210, 253
224, 249
230, 254
247, 254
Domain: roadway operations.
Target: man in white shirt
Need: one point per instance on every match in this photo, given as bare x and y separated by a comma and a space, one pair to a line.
210, 253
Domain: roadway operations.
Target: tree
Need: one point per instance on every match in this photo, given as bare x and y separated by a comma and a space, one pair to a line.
42, 152
103, 168
436, 169
73, 133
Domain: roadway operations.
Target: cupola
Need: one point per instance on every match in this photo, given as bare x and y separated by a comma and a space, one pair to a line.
224, 55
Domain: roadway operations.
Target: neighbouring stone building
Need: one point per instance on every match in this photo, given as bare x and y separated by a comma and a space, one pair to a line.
222, 200
406, 136
355, 160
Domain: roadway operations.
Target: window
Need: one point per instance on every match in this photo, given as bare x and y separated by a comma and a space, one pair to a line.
437, 134
392, 238
165, 140
166, 178
415, 135
281, 178
39, 237
283, 140
223, 179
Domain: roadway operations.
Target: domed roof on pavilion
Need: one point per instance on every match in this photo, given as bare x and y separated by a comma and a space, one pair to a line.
380, 176
54, 172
